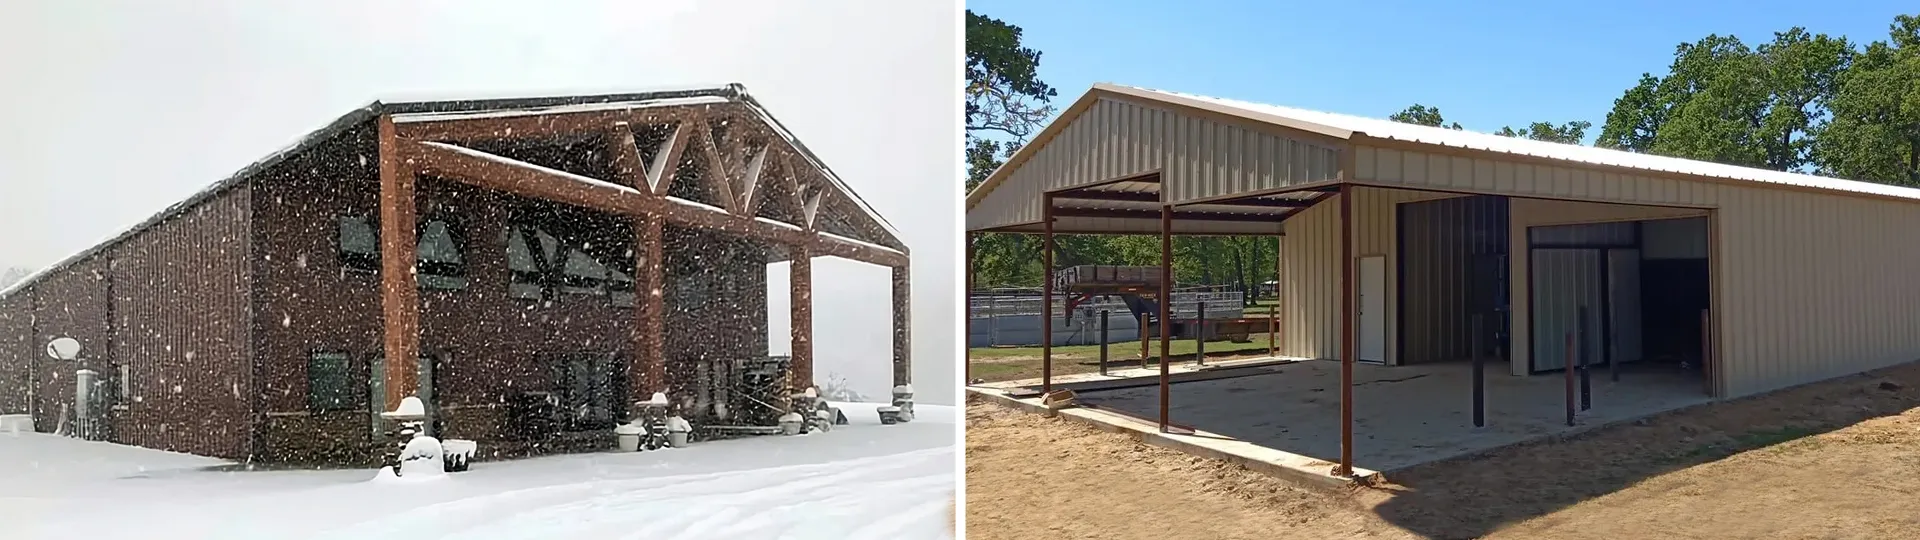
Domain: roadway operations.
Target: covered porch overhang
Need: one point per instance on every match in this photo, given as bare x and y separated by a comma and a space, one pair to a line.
759, 182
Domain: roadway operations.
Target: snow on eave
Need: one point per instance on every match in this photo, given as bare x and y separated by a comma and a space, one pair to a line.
561, 109
311, 140
814, 159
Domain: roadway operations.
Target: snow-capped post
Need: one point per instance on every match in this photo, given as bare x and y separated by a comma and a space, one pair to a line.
677, 431
628, 436
903, 398
410, 415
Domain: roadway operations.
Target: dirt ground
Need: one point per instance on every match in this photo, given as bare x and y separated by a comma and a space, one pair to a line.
1839, 459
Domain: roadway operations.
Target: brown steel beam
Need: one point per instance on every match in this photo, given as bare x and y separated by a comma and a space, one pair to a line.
1046, 292
503, 174
1348, 345
1149, 214
801, 311
1166, 309
902, 329
1139, 196
399, 294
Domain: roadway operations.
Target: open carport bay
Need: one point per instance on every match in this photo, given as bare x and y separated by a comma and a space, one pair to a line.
1405, 415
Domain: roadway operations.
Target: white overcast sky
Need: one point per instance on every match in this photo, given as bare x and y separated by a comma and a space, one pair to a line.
113, 110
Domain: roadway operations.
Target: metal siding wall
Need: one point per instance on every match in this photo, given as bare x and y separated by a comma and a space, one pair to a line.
1110, 140
1311, 268
1210, 159
183, 326
1569, 279
17, 351
1786, 313
1439, 250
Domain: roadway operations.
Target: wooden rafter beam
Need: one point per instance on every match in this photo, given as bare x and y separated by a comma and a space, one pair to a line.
716, 172
499, 173
468, 130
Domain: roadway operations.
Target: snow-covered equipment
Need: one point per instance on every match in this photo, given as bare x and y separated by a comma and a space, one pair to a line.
628, 436
459, 453
422, 457
16, 423
793, 423
651, 422
410, 416
677, 430
889, 415
903, 402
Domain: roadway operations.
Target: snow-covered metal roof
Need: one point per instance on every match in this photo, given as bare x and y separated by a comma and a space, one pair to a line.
1357, 127
429, 108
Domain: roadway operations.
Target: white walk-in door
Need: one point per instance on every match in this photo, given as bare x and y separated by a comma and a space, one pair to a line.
1373, 309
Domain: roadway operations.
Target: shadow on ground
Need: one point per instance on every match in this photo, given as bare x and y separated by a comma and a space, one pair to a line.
1473, 496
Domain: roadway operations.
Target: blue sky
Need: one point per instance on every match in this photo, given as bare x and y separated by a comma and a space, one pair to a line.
1484, 64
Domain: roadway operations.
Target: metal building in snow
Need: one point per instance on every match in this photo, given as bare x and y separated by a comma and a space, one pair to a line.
583, 252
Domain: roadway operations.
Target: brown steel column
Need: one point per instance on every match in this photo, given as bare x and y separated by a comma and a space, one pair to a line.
1166, 306
1046, 293
902, 328
399, 296
651, 328
801, 324
966, 314
1347, 343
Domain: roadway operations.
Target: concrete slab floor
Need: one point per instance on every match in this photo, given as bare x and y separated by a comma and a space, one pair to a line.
1403, 415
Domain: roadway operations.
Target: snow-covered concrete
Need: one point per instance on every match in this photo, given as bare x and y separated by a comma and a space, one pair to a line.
863, 480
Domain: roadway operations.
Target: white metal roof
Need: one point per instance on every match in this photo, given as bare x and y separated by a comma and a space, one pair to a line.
1346, 126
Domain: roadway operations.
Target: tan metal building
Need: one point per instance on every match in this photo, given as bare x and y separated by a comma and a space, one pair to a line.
1798, 278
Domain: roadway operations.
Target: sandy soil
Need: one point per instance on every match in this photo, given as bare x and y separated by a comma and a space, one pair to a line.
1839, 459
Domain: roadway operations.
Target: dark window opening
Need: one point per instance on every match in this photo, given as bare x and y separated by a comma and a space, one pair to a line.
439, 260
590, 390
330, 383
542, 262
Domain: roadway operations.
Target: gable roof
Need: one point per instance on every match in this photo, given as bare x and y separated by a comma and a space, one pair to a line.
470, 106
1349, 128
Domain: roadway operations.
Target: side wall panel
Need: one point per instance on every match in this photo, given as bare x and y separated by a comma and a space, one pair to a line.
17, 351
1310, 269
1787, 314
182, 316
70, 303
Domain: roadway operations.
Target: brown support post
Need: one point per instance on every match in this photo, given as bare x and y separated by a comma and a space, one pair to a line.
1166, 307
399, 296
1347, 339
1046, 293
801, 325
652, 326
902, 331
966, 314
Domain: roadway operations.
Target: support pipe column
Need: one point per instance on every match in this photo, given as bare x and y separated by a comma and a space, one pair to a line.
1166, 308
1348, 344
1046, 293
902, 331
966, 314
399, 295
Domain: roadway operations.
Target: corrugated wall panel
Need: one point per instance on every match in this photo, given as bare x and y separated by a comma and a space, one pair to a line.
1444, 249
1111, 139
1788, 314
183, 326
17, 351
1311, 271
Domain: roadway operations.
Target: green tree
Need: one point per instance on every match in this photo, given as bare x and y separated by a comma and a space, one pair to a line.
1874, 133
1726, 102
1568, 133
1005, 98
1422, 115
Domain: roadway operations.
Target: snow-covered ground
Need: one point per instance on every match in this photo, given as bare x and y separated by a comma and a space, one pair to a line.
859, 481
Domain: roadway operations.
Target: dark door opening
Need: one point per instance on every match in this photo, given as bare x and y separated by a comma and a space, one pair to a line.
1452, 271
